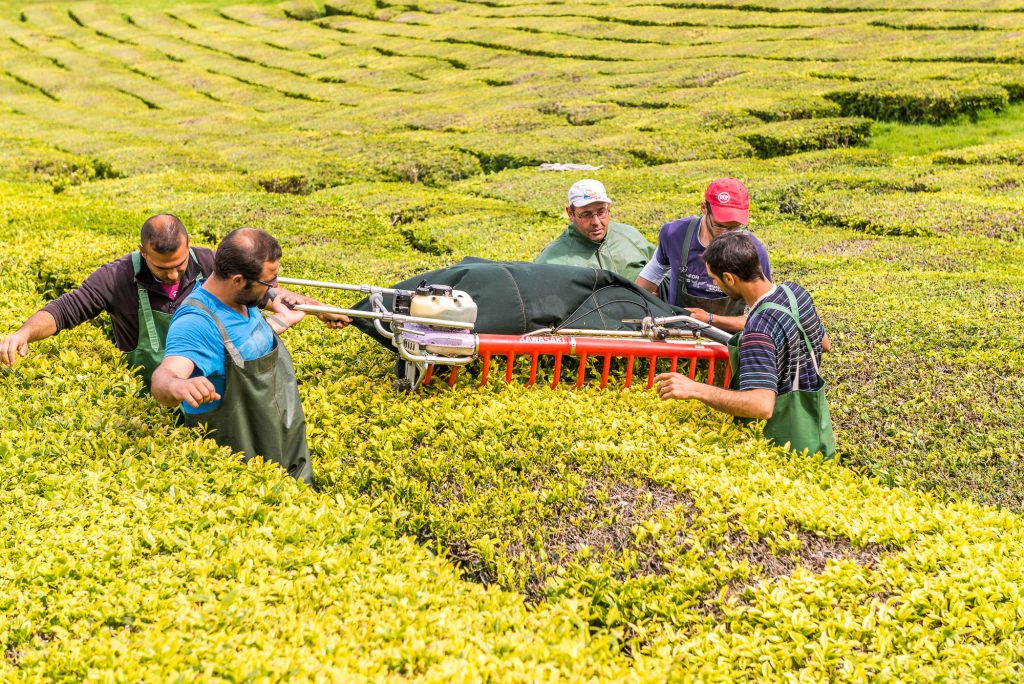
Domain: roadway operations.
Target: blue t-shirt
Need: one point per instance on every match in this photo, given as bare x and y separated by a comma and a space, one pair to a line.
772, 347
698, 282
194, 335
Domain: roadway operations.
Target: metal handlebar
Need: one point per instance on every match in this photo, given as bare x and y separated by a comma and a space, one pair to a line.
365, 289
386, 316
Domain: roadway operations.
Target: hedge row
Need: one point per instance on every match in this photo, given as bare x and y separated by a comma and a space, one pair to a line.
788, 137
915, 214
931, 102
804, 107
999, 153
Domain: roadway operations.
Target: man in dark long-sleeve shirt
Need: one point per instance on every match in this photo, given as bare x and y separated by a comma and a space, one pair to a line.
138, 290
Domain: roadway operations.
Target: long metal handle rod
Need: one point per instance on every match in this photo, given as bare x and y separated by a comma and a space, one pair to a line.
682, 318
576, 332
678, 337
385, 316
707, 333
625, 334
365, 289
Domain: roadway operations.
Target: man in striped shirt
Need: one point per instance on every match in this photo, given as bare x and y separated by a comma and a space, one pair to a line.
775, 358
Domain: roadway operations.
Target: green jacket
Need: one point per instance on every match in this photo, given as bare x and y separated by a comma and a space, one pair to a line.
624, 250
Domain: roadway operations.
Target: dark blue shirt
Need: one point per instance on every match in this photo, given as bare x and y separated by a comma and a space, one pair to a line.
698, 282
772, 348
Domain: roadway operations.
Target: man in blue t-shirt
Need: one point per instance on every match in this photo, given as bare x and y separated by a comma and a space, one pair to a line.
775, 359
226, 366
194, 335
680, 253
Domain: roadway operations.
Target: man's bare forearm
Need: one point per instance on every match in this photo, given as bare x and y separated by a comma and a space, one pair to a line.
39, 326
759, 404
161, 384
647, 285
731, 324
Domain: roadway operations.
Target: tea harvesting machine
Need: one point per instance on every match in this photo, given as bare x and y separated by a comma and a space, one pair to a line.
434, 326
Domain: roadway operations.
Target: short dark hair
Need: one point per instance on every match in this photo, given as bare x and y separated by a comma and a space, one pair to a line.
244, 252
163, 232
734, 253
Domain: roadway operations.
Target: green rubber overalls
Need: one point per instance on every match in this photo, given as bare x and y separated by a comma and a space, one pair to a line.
261, 411
153, 325
801, 417
719, 306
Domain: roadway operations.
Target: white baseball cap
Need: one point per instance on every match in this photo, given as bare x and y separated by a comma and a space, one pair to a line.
587, 191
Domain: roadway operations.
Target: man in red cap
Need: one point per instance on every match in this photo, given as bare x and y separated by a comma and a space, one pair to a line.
681, 245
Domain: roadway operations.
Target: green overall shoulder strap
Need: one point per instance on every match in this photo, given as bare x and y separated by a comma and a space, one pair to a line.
195, 260
229, 346
684, 259
793, 311
145, 310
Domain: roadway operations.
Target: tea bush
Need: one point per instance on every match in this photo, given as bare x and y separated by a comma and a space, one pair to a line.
1003, 153
918, 103
787, 137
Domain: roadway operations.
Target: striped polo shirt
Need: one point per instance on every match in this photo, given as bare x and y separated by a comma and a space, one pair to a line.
772, 348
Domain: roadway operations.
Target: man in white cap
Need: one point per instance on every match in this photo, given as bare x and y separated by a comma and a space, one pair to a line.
593, 240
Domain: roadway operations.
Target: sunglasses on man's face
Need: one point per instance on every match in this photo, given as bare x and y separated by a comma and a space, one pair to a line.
718, 226
272, 284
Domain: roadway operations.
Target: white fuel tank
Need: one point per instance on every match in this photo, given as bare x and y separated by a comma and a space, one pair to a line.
457, 306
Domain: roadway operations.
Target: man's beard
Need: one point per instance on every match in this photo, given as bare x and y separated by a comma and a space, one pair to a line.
249, 299
735, 294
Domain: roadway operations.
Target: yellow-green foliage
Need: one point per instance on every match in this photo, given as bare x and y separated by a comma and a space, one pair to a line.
915, 103
1007, 153
502, 533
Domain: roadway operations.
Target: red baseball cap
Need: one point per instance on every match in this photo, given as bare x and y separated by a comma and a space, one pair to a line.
729, 201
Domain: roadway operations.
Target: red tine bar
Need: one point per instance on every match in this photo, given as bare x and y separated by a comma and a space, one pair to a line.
510, 346
582, 375
486, 369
